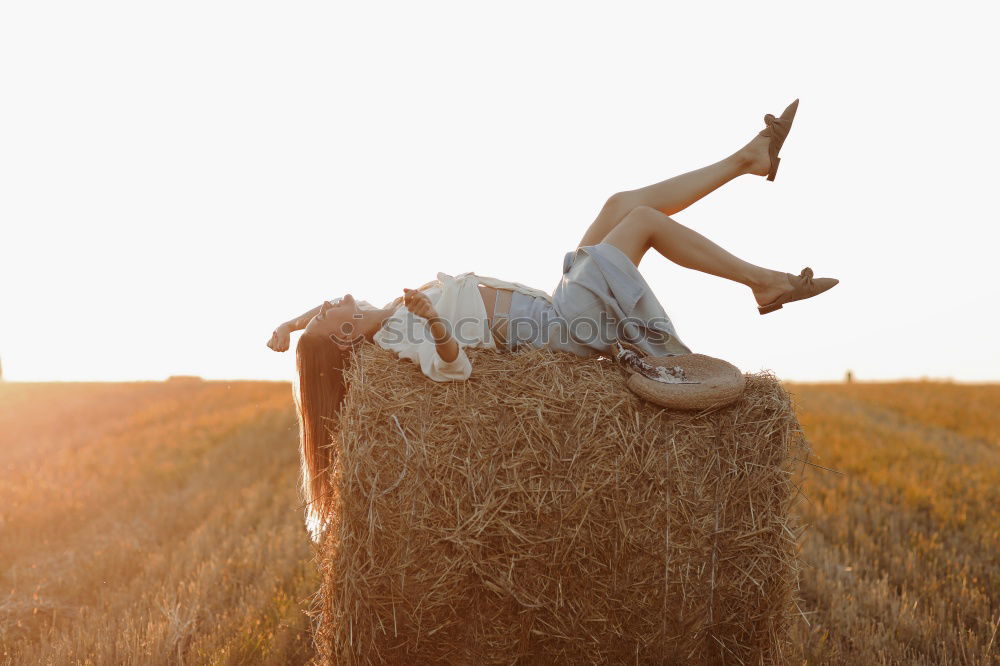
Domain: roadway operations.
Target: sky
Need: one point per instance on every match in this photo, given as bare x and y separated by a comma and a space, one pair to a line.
178, 178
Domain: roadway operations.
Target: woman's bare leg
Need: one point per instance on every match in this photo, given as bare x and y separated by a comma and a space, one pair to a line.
645, 227
675, 194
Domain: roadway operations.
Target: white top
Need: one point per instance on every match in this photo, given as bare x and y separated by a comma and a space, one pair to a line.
457, 300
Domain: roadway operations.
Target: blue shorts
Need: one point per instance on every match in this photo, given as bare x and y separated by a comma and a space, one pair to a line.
601, 297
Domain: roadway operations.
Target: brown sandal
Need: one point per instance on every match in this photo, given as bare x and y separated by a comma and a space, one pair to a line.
777, 129
805, 286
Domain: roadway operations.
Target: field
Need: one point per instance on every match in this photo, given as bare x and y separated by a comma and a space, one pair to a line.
159, 522
151, 523
902, 551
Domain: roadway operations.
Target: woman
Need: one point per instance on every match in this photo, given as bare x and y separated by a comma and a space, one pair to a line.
600, 298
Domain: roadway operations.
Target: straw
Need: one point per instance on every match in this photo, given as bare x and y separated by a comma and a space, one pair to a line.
542, 513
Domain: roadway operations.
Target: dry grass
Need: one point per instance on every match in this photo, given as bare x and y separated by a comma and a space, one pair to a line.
156, 523
151, 523
902, 556
541, 511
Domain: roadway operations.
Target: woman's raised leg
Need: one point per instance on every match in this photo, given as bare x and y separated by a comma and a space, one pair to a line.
677, 193
645, 227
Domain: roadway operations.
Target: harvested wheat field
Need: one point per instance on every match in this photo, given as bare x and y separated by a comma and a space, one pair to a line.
901, 558
158, 523
151, 523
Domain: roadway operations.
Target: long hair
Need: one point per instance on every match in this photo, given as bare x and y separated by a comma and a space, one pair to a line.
318, 396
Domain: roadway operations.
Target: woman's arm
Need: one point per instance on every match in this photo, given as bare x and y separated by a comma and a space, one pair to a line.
439, 355
303, 319
282, 335
418, 303
447, 348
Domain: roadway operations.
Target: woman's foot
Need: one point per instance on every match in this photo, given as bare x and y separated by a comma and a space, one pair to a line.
774, 286
753, 158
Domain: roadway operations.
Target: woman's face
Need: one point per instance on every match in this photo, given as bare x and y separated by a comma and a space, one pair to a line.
341, 322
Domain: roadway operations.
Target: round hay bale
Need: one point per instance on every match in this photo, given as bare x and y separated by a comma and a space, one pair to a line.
719, 382
540, 513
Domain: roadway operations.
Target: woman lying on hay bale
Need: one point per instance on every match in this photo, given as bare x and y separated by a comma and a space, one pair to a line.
600, 299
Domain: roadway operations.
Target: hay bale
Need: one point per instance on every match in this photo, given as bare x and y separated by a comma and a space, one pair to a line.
542, 513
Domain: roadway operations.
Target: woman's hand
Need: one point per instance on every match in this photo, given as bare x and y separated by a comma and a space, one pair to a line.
418, 303
280, 338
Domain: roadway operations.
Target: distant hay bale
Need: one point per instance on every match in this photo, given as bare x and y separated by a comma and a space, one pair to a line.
542, 513
185, 379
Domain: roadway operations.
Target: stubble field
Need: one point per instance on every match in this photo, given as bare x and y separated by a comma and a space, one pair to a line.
159, 522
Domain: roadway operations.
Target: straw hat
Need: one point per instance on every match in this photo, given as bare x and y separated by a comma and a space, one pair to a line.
699, 381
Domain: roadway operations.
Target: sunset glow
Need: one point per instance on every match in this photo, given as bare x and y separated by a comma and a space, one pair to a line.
168, 198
